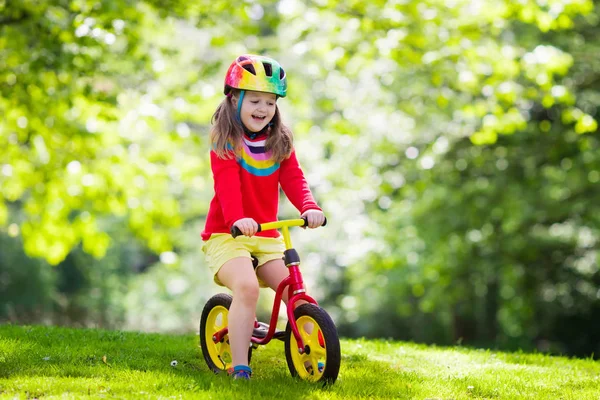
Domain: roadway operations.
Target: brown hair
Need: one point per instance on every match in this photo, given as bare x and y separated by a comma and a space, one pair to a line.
227, 131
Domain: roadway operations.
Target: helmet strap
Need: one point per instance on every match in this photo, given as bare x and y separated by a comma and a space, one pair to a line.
239, 106
253, 135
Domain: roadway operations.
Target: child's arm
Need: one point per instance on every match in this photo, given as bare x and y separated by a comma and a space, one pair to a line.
295, 186
227, 187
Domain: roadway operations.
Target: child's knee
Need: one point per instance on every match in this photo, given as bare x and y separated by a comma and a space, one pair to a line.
247, 291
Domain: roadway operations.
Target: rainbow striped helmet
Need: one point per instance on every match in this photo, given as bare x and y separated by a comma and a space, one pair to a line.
258, 73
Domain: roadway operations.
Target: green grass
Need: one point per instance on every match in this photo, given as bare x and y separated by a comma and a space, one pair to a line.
51, 362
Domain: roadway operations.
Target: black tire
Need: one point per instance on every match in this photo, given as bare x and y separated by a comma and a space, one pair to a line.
216, 355
324, 345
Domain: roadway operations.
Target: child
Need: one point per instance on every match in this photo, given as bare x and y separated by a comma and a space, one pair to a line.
252, 155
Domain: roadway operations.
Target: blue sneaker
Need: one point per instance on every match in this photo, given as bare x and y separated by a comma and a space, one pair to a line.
320, 366
240, 372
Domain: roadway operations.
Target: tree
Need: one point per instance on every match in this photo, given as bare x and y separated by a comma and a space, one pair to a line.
496, 243
419, 124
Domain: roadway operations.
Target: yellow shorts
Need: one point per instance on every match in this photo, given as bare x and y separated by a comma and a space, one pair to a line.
222, 247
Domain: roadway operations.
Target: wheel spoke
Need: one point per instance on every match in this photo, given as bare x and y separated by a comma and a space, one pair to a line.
304, 358
314, 338
319, 351
314, 363
224, 354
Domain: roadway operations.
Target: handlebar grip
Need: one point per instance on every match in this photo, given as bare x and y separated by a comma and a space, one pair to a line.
306, 222
235, 231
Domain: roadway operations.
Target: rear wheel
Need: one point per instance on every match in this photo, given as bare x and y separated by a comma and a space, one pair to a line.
214, 318
321, 345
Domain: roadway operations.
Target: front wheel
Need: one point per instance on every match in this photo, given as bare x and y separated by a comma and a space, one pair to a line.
320, 359
214, 318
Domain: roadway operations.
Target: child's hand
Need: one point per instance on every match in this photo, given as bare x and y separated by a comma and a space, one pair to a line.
248, 226
315, 218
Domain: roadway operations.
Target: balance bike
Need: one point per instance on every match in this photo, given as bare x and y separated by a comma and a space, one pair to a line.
312, 346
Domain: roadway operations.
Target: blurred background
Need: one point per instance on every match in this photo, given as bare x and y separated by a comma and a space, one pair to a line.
453, 145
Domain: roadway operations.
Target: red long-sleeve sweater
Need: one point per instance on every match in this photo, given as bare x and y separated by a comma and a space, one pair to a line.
248, 187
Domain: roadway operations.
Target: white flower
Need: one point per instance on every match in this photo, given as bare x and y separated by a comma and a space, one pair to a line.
174, 363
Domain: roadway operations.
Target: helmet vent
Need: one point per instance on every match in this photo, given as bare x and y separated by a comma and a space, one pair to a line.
249, 68
281, 73
268, 69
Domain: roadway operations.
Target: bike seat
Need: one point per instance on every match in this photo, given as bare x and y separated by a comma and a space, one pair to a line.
262, 330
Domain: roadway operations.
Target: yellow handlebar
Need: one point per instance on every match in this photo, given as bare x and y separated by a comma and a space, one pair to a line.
286, 223
283, 225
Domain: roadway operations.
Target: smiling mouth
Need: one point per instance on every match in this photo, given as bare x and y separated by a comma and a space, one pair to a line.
259, 117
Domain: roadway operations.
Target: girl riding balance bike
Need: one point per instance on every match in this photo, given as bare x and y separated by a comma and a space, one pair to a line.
252, 156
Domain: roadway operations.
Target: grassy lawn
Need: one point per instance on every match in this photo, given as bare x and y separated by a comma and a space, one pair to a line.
50, 362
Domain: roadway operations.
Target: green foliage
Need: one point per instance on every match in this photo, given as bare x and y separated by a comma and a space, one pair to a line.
453, 146
84, 96
495, 243
81, 136
26, 285
79, 291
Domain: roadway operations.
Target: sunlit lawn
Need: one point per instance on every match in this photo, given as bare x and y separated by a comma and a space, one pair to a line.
45, 362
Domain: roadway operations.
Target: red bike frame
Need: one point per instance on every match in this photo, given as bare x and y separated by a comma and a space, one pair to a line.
293, 282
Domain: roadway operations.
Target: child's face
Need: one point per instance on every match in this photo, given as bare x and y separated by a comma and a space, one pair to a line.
258, 109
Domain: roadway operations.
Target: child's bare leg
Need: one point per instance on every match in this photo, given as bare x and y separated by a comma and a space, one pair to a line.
272, 273
239, 276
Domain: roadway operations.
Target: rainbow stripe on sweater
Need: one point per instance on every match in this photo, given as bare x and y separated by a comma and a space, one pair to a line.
255, 158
